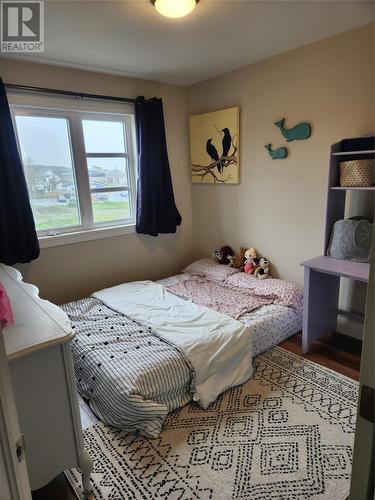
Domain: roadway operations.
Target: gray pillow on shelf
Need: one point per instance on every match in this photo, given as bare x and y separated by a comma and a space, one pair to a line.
351, 239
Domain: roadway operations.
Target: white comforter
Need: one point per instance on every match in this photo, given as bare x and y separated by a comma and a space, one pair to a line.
218, 348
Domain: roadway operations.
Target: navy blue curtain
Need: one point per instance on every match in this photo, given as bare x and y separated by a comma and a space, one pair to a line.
156, 208
18, 239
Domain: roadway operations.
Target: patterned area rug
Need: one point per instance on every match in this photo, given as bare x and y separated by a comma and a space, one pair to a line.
287, 433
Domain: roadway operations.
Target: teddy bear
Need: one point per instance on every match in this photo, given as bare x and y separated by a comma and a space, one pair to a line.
223, 255
263, 271
238, 260
250, 260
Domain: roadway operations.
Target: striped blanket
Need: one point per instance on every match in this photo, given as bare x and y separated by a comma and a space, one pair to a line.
131, 378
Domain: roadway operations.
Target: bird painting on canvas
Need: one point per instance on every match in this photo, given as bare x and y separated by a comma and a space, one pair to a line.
227, 142
214, 144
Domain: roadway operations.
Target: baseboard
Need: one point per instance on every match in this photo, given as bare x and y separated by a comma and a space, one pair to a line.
349, 327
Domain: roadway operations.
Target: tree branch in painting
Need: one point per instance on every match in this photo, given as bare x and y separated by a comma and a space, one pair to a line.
220, 164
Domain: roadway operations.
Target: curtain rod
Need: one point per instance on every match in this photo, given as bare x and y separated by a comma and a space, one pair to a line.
77, 95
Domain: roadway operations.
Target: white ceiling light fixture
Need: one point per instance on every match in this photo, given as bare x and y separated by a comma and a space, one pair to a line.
174, 8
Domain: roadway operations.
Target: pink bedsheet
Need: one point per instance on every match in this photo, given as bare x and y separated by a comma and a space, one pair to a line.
239, 294
218, 296
283, 292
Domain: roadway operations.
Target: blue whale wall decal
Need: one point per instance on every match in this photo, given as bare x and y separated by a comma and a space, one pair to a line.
299, 132
276, 154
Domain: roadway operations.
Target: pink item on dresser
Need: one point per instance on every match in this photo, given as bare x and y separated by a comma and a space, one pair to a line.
6, 314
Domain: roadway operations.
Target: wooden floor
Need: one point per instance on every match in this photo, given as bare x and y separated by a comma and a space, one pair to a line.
335, 351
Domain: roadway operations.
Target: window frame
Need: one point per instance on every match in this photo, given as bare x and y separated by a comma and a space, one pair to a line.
75, 113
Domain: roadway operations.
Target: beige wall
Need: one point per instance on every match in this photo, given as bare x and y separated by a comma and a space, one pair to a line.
73, 271
279, 207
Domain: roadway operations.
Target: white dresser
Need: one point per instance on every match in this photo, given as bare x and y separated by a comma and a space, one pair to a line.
38, 351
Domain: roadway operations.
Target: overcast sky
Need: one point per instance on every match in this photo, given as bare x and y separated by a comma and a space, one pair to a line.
46, 140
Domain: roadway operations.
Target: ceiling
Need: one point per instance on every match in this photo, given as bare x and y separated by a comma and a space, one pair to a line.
132, 38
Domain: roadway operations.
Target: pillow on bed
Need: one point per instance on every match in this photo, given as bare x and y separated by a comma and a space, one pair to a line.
210, 269
283, 292
242, 280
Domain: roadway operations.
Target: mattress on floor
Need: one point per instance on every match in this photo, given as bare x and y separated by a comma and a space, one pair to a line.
271, 323
131, 377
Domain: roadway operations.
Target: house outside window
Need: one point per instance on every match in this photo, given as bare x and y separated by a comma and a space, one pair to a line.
79, 159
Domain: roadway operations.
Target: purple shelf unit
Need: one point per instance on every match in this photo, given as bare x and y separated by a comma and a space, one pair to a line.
323, 273
343, 268
356, 154
353, 188
336, 194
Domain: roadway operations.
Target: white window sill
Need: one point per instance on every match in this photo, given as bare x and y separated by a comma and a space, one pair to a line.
86, 235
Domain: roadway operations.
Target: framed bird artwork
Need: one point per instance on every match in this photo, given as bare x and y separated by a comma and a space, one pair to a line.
214, 146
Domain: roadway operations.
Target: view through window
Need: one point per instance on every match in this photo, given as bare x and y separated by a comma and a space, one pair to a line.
79, 168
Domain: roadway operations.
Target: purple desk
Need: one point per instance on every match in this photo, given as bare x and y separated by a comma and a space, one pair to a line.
321, 294
322, 274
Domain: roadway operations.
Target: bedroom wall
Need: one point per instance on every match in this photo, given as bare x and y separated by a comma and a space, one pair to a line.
279, 206
72, 271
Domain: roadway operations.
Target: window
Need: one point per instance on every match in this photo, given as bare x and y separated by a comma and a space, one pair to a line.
79, 164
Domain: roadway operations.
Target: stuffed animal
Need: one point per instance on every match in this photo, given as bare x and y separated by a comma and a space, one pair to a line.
223, 254
263, 271
238, 260
231, 259
250, 260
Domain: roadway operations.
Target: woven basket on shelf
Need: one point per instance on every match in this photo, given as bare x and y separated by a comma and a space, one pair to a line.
359, 173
